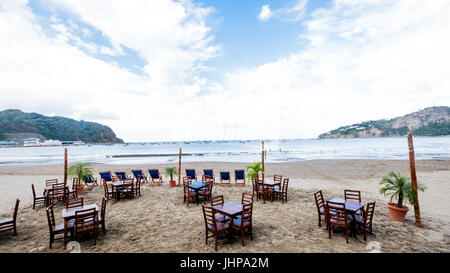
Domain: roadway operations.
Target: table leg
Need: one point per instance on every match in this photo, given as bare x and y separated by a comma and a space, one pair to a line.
65, 233
353, 224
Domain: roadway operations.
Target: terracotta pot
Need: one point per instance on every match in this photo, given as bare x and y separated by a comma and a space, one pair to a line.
80, 189
396, 213
172, 183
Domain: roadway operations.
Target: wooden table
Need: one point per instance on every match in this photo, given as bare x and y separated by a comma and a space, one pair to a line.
230, 209
351, 206
271, 184
196, 186
69, 214
117, 187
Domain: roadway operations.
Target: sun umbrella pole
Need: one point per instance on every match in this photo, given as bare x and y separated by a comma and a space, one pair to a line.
65, 166
262, 160
412, 165
179, 168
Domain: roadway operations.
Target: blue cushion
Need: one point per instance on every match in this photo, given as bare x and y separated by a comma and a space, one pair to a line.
154, 174
239, 175
225, 175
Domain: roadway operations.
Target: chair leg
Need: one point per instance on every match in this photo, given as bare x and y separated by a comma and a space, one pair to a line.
346, 234
215, 241
242, 237
329, 231
320, 221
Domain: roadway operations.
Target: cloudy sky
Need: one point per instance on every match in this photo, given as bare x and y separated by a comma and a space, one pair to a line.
208, 70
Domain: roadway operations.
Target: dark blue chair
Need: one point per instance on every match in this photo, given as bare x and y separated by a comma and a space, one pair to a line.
239, 178
139, 174
106, 176
225, 178
191, 174
155, 175
210, 173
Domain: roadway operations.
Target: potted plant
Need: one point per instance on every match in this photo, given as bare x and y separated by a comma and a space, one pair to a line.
253, 169
80, 170
171, 171
399, 187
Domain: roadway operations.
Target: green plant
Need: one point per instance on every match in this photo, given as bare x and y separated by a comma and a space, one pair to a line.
397, 186
253, 169
171, 171
80, 170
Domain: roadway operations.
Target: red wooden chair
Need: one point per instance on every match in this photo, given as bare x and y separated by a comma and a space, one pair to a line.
261, 191
282, 193
101, 218
217, 229
255, 179
86, 221
57, 229
50, 182
74, 202
337, 216
8, 224
352, 195
109, 193
37, 198
277, 178
128, 189
58, 192
244, 222
188, 194
206, 192
320, 204
247, 197
210, 172
218, 200
366, 221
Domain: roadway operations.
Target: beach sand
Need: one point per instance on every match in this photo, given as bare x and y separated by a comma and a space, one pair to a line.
158, 221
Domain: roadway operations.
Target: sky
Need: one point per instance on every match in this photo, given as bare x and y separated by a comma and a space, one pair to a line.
166, 70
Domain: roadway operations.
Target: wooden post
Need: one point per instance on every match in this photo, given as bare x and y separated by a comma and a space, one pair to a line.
412, 165
65, 166
179, 168
262, 160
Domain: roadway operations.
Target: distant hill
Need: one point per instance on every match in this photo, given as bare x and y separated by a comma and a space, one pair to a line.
432, 121
16, 125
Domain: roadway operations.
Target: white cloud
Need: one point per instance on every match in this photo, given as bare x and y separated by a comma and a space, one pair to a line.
265, 13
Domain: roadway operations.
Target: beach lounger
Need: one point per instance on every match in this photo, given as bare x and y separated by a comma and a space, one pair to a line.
106, 177
139, 175
191, 174
225, 179
123, 176
155, 176
239, 178
90, 180
210, 173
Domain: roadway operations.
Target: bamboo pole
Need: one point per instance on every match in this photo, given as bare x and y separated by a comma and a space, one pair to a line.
65, 166
412, 165
179, 168
262, 155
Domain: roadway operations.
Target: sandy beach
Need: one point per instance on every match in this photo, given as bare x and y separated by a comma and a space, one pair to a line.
158, 221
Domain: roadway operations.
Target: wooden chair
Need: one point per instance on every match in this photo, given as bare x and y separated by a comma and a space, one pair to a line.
86, 221
155, 176
255, 179
225, 179
205, 194
218, 200
337, 216
188, 194
261, 191
109, 193
37, 198
191, 174
128, 189
8, 224
277, 178
247, 197
320, 204
140, 176
244, 222
58, 192
239, 175
57, 229
75, 184
210, 173
101, 218
366, 221
282, 193
50, 182
206, 178
74, 202
352, 195
218, 229
137, 188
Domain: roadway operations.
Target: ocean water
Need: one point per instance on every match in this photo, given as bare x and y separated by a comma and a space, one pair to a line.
232, 151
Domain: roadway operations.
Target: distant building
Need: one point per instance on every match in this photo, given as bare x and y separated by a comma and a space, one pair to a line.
30, 142
8, 144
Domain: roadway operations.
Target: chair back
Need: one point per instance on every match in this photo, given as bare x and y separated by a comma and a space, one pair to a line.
320, 203
34, 192
50, 217
255, 182
239, 174
225, 176
206, 178
217, 200
105, 186
336, 211
121, 175
352, 195
284, 188
246, 213
247, 197
260, 187
74, 202
368, 217
107, 176
208, 188
191, 174
103, 211
85, 219
187, 179
154, 173
277, 178
16, 209
209, 172
186, 186
50, 182
209, 216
